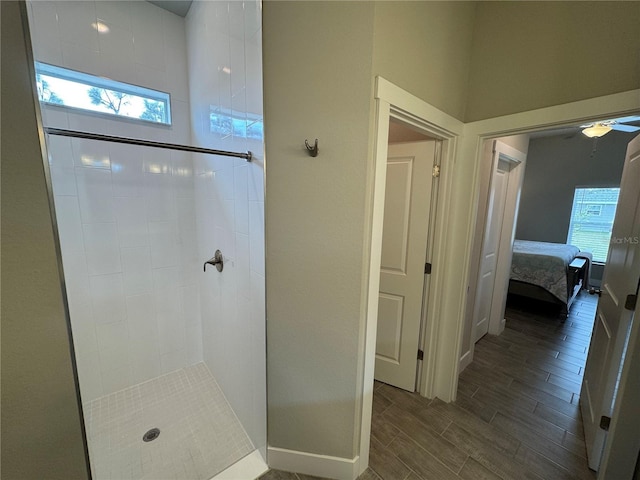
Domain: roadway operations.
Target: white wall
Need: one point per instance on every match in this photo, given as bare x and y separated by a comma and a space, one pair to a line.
126, 214
225, 70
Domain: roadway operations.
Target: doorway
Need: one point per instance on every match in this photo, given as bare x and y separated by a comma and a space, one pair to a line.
506, 176
459, 189
410, 205
604, 154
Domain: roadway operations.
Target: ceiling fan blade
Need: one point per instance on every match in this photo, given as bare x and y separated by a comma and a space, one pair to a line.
632, 118
624, 128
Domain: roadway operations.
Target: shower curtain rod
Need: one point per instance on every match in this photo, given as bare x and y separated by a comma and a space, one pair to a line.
144, 143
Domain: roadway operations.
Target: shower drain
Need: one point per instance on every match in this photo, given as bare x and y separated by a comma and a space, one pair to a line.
151, 435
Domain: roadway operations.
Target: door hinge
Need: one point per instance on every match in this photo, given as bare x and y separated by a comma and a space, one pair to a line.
436, 171
427, 269
605, 422
630, 303
420, 354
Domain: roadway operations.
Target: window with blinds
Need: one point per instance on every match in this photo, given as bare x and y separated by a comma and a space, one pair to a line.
592, 216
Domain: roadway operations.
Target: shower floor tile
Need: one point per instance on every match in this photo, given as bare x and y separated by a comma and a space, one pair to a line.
199, 433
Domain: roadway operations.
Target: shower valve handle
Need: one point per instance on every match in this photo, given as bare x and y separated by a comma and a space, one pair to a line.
215, 260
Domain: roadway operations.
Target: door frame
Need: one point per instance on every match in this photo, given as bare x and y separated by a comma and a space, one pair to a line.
458, 193
393, 102
575, 113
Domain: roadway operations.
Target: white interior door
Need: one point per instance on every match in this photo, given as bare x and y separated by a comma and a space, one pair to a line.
490, 246
404, 248
613, 321
497, 243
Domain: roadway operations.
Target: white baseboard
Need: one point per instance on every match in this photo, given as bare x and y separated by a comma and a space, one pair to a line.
465, 361
311, 464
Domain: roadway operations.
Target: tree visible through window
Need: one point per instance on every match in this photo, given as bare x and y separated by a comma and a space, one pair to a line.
592, 216
60, 86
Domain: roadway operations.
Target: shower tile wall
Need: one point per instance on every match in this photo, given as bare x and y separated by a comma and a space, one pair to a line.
225, 54
126, 214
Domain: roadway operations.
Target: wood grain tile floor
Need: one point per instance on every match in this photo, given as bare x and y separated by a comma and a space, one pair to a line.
516, 415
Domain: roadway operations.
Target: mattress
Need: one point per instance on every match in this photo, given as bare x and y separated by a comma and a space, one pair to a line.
543, 264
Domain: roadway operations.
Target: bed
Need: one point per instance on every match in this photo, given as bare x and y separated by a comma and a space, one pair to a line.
550, 272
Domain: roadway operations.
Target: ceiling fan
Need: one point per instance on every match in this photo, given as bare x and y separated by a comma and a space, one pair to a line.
598, 129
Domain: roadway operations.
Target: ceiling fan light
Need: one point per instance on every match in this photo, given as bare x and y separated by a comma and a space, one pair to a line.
596, 130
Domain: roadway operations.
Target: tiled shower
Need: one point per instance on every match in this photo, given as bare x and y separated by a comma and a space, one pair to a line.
137, 223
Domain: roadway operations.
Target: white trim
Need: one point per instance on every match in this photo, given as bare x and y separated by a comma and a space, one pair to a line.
251, 466
376, 179
311, 464
465, 361
568, 114
432, 383
417, 108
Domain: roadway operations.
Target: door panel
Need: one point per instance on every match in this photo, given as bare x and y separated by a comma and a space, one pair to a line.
395, 236
390, 308
611, 327
404, 248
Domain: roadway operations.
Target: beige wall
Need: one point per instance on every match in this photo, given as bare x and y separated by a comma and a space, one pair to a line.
317, 84
320, 60
528, 55
425, 48
41, 429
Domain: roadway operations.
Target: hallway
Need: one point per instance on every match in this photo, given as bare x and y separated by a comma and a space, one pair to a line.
516, 416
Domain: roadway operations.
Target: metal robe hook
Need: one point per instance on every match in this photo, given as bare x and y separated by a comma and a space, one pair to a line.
313, 151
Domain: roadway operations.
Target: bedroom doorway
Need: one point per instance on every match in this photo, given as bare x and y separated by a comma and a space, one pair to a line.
559, 382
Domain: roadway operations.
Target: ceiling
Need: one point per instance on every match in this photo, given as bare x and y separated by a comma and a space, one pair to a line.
179, 7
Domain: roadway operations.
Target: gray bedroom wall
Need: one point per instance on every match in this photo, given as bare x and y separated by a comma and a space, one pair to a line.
556, 165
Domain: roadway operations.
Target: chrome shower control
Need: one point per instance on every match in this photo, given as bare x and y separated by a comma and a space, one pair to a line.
216, 260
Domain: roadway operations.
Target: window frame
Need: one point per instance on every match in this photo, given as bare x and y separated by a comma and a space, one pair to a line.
572, 222
90, 80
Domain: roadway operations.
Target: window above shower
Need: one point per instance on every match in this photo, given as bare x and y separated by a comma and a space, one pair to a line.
72, 89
